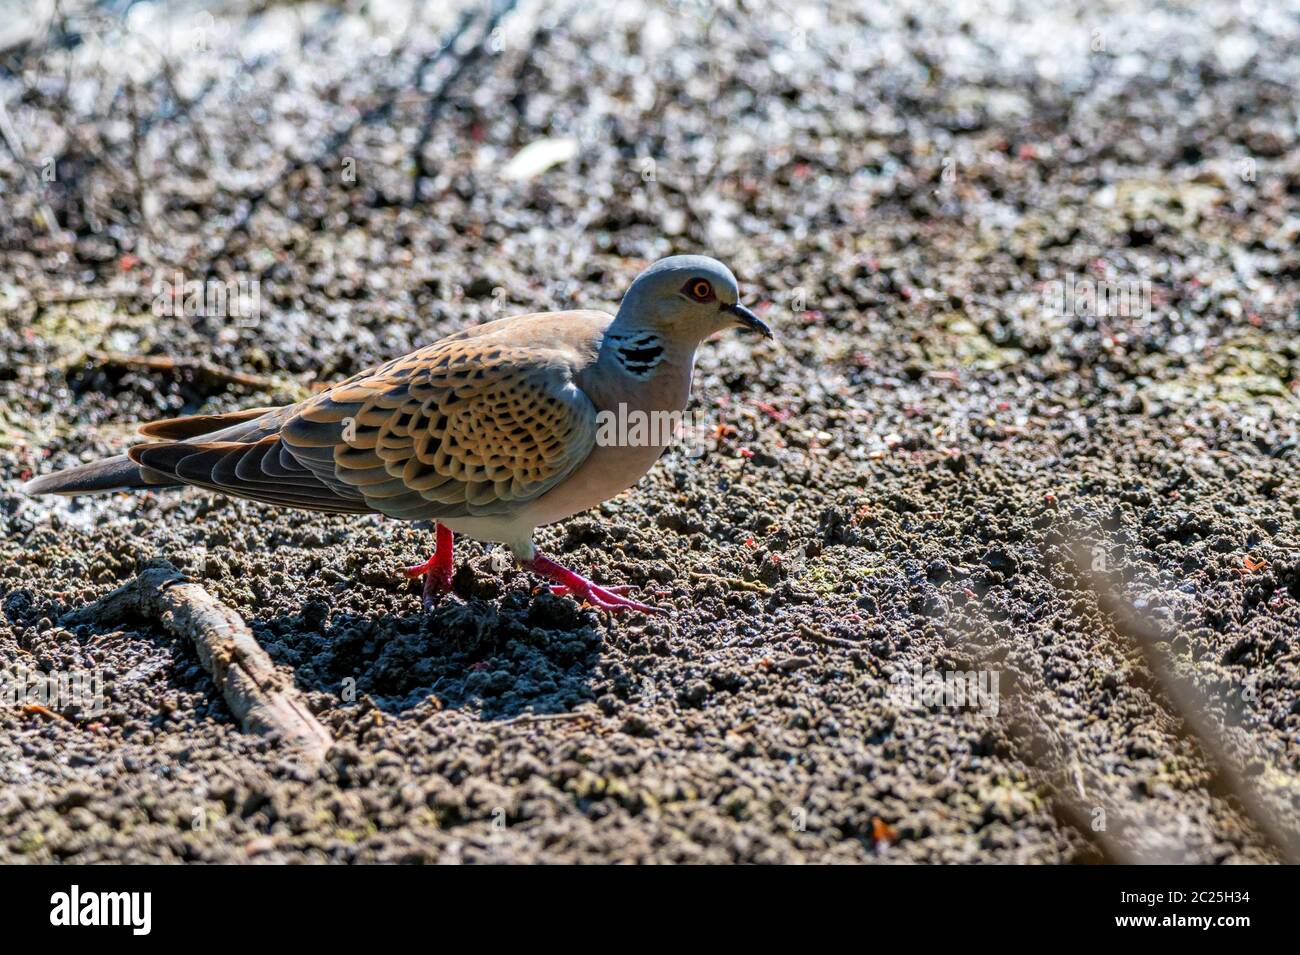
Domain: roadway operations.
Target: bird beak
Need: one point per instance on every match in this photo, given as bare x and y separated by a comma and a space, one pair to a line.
747, 318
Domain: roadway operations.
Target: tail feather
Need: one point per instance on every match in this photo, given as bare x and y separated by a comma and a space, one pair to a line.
190, 426
118, 473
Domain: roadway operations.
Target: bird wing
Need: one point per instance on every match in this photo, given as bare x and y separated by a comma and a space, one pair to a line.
260, 470
472, 425
478, 423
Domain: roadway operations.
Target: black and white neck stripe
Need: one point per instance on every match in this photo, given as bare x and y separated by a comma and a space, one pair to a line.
639, 353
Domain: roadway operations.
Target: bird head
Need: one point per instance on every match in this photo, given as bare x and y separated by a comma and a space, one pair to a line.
688, 297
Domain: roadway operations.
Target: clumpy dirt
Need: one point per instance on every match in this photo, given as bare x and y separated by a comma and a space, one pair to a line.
898, 482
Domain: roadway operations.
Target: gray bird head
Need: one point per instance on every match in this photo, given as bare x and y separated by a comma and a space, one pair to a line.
688, 297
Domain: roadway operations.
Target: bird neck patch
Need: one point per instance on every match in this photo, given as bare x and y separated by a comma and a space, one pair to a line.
639, 353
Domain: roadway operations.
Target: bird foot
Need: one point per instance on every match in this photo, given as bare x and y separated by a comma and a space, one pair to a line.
437, 570
436, 585
418, 570
562, 590
570, 584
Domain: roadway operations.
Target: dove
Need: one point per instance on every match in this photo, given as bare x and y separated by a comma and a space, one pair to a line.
491, 432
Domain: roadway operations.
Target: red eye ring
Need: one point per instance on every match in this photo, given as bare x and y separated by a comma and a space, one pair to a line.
699, 289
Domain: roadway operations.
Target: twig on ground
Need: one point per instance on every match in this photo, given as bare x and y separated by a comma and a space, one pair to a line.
336, 141
140, 181
15, 144
90, 295
1189, 706
730, 583
202, 368
439, 96
261, 699
790, 664
184, 107
816, 636
524, 718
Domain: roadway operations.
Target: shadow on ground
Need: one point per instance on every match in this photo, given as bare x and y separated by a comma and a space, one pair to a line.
524, 655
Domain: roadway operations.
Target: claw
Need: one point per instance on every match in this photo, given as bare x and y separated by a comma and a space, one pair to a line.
570, 584
562, 590
418, 570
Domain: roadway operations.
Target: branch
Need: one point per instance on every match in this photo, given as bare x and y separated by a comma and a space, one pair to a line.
202, 369
336, 142
10, 135
439, 97
261, 699
1189, 705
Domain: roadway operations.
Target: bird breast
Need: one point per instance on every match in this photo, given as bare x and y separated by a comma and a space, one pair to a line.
634, 426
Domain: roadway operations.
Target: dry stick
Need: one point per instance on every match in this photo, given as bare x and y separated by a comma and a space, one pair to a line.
525, 718
140, 187
816, 636
439, 98
15, 144
262, 700
1037, 746
185, 106
89, 295
335, 142
100, 153
1189, 706
202, 368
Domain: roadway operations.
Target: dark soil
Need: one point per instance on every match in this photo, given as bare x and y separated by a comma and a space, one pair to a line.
905, 477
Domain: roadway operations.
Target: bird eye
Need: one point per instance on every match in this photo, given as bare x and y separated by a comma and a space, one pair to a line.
699, 290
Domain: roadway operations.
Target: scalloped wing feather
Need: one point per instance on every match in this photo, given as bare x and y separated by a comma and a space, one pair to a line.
478, 423
254, 470
467, 426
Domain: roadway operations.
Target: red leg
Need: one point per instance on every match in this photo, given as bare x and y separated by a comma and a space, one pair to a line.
437, 570
571, 584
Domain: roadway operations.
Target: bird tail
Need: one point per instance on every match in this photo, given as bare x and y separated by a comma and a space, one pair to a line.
118, 473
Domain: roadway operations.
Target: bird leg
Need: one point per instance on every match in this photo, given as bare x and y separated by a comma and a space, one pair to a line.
437, 570
574, 585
